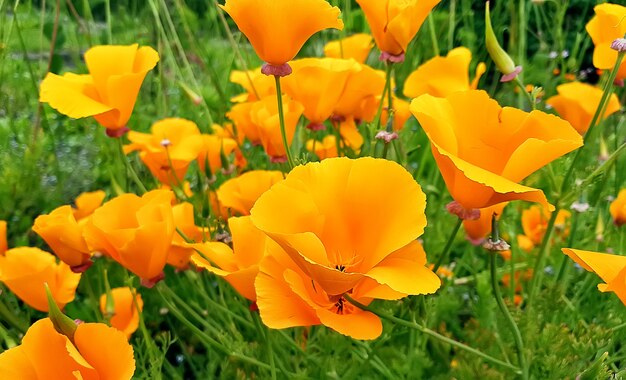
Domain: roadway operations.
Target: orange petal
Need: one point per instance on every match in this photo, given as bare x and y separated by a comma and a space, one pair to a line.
106, 349
72, 95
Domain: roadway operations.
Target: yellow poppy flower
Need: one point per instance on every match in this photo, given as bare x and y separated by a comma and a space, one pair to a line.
357, 47
125, 317
108, 92
606, 26
239, 194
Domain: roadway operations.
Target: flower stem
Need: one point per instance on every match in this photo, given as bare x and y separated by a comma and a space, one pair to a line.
281, 118
519, 343
434, 334
129, 168
448, 246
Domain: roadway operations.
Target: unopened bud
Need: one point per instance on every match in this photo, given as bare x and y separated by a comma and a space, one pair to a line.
503, 61
195, 98
387, 137
61, 322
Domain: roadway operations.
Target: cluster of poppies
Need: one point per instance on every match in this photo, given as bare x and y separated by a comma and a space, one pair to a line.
312, 244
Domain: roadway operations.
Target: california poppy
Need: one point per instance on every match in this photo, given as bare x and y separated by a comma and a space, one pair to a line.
477, 230
318, 84
239, 265
239, 194
241, 116
340, 226
606, 26
3, 237
401, 112
326, 148
212, 148
125, 316
135, 231
108, 92
173, 144
64, 235
350, 135
277, 30
87, 203
442, 76
618, 209
577, 103
256, 84
535, 223
610, 268
264, 114
364, 85
180, 252
394, 23
96, 352
24, 270
484, 150
356, 46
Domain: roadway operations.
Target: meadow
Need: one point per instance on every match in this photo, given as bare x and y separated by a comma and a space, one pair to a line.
312, 189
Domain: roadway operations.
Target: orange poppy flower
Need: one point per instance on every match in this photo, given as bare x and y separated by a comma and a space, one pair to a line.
350, 135
610, 268
180, 252
241, 116
239, 194
617, 209
256, 84
64, 235
125, 316
357, 47
606, 26
168, 150
577, 103
87, 203
535, 222
288, 296
3, 237
278, 30
318, 84
24, 270
108, 92
239, 265
227, 131
477, 230
264, 114
327, 148
401, 113
442, 76
211, 149
363, 85
484, 150
135, 231
336, 222
96, 352
394, 23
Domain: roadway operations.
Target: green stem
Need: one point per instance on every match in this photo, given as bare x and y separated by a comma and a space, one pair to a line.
107, 5
541, 256
129, 168
448, 246
10, 317
433, 334
519, 343
281, 118
433, 34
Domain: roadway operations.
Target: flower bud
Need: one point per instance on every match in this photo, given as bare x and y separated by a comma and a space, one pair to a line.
61, 322
503, 61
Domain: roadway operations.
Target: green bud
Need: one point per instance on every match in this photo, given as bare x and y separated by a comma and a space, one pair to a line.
61, 322
503, 61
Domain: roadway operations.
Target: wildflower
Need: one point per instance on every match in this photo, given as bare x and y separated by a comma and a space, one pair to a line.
477, 230
64, 235
24, 270
535, 223
256, 84
363, 86
357, 47
239, 194
278, 30
401, 112
96, 351
135, 231
213, 149
483, 150
442, 76
577, 103
264, 114
3, 237
394, 23
604, 28
125, 316
326, 148
618, 209
241, 116
239, 265
350, 135
168, 150
87, 203
342, 229
180, 252
610, 268
108, 92
318, 84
